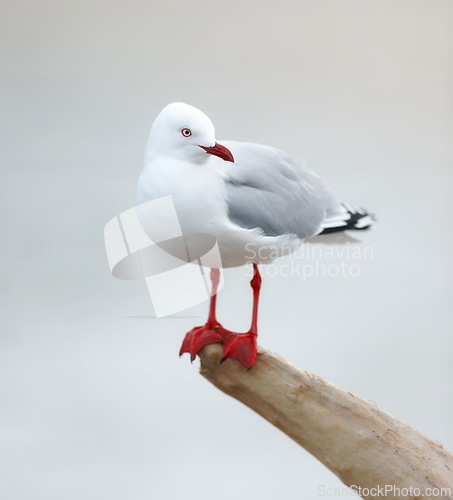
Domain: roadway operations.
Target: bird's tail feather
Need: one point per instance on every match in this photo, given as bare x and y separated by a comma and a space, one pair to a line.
351, 217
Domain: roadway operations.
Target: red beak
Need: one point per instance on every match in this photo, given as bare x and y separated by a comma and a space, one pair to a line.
220, 151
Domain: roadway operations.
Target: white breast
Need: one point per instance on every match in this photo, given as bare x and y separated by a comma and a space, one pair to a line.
199, 196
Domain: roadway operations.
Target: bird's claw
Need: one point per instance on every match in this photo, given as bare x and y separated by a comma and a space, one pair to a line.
241, 346
197, 338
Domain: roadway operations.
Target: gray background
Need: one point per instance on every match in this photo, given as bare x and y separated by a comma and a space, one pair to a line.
94, 401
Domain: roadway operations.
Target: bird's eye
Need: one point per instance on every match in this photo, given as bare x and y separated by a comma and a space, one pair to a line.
186, 132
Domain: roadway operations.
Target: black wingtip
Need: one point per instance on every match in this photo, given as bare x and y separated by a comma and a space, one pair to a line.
354, 221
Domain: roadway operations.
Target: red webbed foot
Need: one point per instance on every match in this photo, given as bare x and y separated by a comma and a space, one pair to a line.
241, 346
200, 336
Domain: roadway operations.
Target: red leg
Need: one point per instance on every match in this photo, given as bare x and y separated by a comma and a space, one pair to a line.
200, 336
215, 279
242, 346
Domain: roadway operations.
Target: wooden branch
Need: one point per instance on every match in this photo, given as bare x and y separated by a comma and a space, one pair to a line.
364, 446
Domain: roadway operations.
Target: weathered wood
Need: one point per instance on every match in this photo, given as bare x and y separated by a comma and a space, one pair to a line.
363, 445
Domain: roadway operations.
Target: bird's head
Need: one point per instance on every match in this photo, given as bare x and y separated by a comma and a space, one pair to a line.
184, 132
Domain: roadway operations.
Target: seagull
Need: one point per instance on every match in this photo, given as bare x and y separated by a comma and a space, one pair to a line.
254, 200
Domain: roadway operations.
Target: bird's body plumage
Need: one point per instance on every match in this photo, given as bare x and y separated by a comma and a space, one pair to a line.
255, 201
257, 208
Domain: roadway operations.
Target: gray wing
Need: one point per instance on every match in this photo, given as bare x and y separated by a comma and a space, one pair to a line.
270, 191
